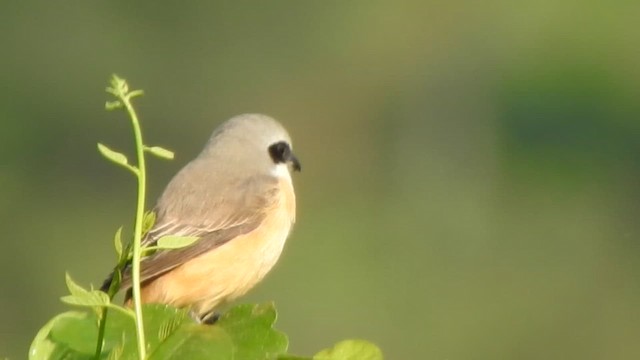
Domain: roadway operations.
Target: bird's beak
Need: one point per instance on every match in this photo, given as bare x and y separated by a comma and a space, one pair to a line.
295, 163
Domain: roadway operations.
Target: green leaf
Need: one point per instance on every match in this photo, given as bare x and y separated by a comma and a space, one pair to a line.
251, 329
41, 347
73, 335
351, 350
170, 334
73, 287
148, 220
83, 297
112, 105
78, 331
161, 321
175, 242
117, 242
194, 342
116, 277
135, 93
113, 156
44, 346
119, 86
93, 298
160, 152
120, 335
116, 353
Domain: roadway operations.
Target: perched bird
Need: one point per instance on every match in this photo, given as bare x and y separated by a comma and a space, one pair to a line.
237, 197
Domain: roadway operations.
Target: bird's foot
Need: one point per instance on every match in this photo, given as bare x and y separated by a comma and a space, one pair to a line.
211, 318
207, 319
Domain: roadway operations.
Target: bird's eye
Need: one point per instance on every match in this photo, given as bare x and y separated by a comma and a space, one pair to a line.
280, 152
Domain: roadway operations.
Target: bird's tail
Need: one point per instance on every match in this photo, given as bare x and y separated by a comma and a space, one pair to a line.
107, 283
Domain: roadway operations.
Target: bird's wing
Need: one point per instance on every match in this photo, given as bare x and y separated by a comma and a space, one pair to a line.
239, 211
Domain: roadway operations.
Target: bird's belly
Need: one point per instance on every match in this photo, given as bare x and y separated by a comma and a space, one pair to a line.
224, 273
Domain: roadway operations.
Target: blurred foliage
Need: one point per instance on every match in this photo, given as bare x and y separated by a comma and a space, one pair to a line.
470, 184
244, 332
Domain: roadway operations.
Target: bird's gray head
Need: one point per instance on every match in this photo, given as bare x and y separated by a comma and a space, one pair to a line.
251, 140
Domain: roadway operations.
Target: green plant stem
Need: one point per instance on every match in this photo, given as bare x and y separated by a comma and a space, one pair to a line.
113, 289
137, 230
120, 90
101, 330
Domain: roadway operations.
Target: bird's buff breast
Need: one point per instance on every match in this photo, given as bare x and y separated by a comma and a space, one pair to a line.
230, 270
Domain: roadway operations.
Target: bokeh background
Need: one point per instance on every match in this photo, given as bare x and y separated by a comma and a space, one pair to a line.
471, 172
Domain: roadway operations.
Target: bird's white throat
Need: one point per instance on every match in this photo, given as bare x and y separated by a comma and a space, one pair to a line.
281, 171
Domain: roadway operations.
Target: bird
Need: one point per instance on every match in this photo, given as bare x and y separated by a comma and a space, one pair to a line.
237, 198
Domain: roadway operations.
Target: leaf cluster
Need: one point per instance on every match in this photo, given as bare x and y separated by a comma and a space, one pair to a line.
243, 332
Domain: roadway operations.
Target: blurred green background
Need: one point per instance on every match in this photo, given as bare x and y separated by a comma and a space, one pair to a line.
471, 172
